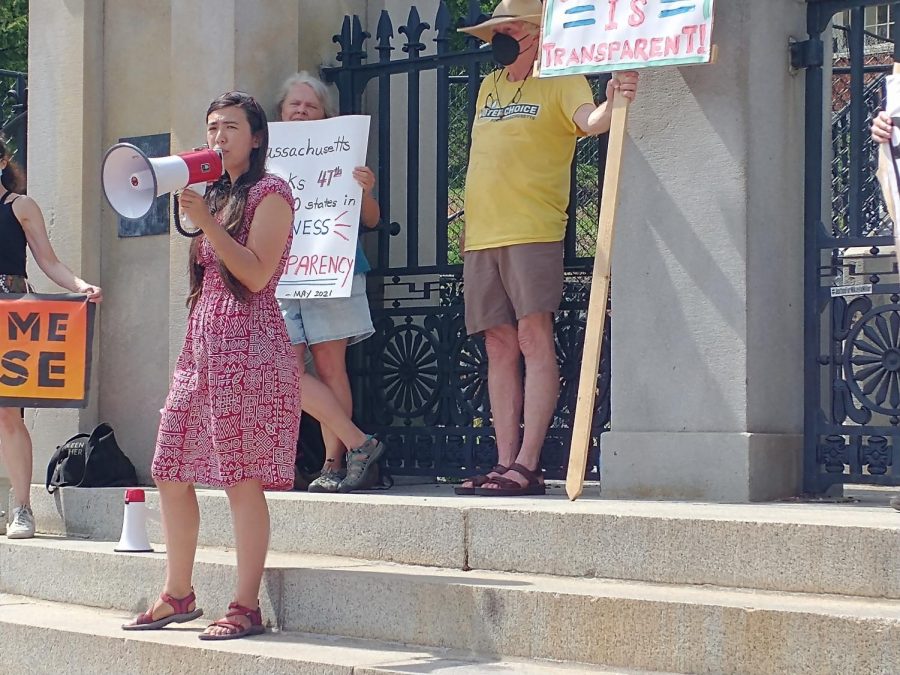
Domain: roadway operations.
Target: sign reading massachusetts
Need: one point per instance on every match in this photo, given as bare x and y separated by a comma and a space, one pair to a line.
45, 350
317, 160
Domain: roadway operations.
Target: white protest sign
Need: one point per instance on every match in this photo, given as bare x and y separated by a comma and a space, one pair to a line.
889, 153
317, 160
595, 36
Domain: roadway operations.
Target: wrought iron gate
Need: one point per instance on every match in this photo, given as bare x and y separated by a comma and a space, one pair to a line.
852, 295
420, 382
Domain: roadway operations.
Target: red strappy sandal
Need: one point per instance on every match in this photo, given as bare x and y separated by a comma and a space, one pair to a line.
235, 629
182, 613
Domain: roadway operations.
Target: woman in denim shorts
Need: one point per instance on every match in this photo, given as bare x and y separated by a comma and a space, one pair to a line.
330, 325
22, 228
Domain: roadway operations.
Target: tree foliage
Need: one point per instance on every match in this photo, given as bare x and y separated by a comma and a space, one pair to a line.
14, 35
459, 9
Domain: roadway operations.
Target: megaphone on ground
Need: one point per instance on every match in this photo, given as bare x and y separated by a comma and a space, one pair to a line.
131, 180
134, 524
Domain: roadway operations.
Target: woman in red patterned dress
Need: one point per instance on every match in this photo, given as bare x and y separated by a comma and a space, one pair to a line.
232, 414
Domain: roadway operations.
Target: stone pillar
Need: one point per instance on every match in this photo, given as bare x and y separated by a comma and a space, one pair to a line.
65, 115
133, 340
218, 45
319, 21
707, 400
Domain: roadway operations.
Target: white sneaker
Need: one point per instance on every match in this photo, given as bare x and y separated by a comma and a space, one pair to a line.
22, 525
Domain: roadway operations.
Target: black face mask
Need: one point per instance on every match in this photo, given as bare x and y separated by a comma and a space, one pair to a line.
505, 48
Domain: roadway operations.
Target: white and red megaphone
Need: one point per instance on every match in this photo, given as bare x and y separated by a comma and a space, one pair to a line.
131, 180
134, 524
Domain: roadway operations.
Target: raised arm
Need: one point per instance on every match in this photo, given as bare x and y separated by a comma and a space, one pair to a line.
596, 120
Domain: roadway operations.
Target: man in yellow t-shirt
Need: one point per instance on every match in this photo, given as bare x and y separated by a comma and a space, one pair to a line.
517, 196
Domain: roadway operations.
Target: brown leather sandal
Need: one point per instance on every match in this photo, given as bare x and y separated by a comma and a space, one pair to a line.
507, 487
235, 629
479, 480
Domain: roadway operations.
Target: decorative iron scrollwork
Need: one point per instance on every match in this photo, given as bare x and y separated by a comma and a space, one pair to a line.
833, 454
872, 360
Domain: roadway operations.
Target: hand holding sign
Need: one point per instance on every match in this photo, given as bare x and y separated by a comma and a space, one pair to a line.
365, 177
624, 84
93, 293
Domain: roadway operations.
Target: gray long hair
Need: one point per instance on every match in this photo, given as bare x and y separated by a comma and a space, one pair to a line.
320, 89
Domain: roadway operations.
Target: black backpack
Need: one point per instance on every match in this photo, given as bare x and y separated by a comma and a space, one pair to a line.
90, 460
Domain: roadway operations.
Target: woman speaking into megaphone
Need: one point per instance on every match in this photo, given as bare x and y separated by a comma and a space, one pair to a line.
232, 414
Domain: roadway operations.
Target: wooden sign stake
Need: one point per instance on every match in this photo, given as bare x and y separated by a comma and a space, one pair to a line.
596, 316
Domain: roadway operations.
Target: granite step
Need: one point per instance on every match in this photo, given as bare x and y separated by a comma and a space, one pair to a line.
52, 637
613, 623
792, 547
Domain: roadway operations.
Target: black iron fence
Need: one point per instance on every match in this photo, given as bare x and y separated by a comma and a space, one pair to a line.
420, 382
14, 111
852, 294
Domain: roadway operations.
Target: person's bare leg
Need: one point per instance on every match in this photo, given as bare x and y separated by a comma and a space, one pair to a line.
331, 367
15, 449
181, 526
535, 339
320, 402
250, 514
505, 390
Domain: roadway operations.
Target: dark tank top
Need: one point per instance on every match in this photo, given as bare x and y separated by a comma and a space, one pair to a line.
12, 239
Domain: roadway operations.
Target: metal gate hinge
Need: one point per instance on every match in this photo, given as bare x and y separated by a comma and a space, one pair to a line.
807, 53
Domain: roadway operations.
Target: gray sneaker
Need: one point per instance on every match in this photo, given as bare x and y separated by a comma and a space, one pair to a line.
22, 525
362, 463
329, 481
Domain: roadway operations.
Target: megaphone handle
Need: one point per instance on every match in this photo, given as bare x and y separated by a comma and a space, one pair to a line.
177, 219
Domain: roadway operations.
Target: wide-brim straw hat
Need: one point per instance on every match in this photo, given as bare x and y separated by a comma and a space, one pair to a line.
508, 10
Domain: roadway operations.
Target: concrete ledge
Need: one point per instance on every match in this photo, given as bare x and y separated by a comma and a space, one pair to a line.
615, 623
742, 552
715, 467
51, 637
411, 531
811, 548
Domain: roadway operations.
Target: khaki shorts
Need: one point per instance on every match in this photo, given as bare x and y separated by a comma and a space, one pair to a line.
504, 284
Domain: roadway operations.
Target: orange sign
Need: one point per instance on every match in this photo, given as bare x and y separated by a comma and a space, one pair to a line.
45, 350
